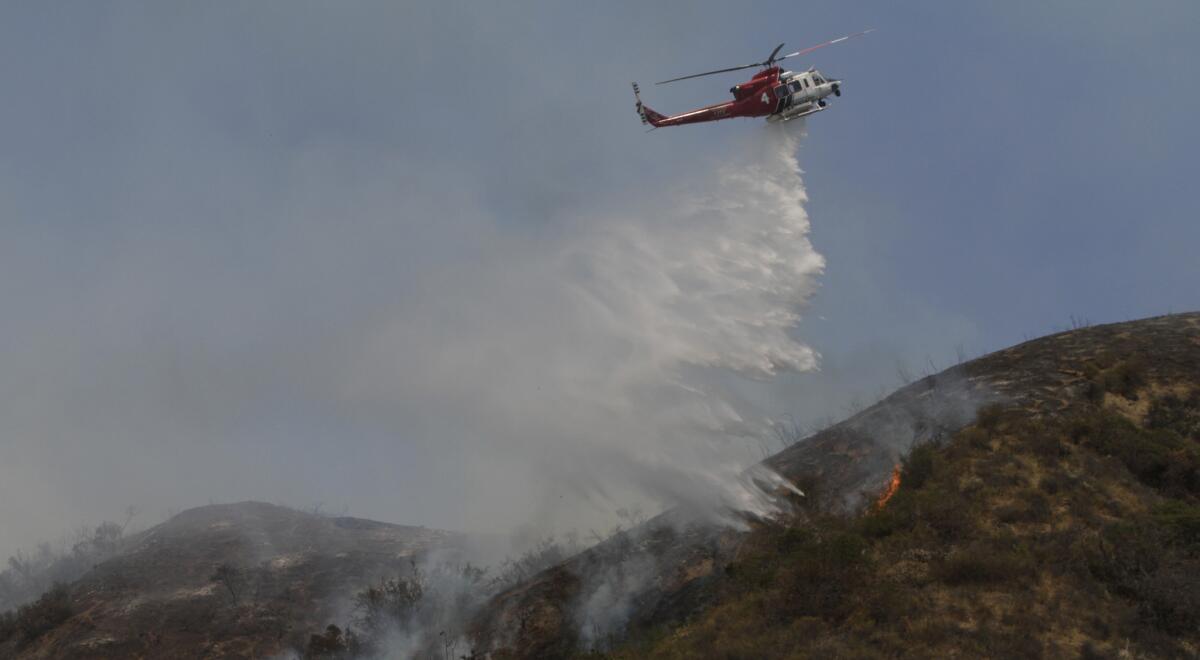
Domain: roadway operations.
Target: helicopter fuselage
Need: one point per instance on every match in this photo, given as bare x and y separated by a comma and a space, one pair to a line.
773, 93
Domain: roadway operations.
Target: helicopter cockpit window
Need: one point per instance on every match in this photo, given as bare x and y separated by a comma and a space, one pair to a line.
781, 91
795, 86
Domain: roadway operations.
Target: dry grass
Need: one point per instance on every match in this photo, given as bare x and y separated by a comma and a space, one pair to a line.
1024, 536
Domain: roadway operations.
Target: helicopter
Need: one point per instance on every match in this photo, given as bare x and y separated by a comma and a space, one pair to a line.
773, 93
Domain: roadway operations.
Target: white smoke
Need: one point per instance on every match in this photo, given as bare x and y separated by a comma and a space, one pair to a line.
373, 334
593, 367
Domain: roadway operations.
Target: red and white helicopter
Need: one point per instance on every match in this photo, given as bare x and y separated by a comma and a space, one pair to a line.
773, 93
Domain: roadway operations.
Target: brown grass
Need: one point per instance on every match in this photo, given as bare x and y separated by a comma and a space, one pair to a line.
1022, 537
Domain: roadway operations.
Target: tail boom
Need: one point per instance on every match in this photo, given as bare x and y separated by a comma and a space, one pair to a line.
658, 120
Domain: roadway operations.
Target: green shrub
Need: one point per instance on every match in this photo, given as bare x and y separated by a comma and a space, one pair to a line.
1125, 552
1181, 519
1089, 651
882, 522
947, 512
1016, 642
1173, 413
44, 614
1011, 513
821, 577
973, 438
980, 563
1182, 476
1045, 443
1031, 506
1056, 551
988, 418
756, 570
8, 625
1169, 600
333, 645
1159, 458
888, 603
1125, 378
917, 467
794, 538
1051, 484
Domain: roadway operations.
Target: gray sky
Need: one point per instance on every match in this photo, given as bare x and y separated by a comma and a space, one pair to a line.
292, 251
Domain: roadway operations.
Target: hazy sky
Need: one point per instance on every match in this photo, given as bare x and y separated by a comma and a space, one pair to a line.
219, 219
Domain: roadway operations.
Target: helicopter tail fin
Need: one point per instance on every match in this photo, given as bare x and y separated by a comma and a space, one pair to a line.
648, 116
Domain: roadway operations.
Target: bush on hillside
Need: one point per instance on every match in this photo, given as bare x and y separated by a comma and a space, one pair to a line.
8, 625
1159, 458
333, 645
917, 467
819, 575
1176, 414
989, 417
39, 617
1182, 520
1030, 506
1124, 379
980, 563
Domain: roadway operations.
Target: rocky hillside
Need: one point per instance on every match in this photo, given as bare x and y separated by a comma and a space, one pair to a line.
246, 580
1047, 505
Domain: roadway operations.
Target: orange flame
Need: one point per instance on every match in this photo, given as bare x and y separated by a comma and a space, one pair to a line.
892, 487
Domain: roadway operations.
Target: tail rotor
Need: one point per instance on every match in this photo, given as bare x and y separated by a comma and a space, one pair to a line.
641, 110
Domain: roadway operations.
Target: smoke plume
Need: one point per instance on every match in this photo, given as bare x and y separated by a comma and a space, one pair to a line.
603, 368
373, 334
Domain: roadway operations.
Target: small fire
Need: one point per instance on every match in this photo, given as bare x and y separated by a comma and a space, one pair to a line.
892, 487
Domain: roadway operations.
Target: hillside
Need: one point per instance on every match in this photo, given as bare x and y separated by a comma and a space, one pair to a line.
1046, 506
1040, 501
245, 580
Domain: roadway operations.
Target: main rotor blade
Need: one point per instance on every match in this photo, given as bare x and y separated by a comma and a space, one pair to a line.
774, 53
827, 43
709, 73
770, 60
